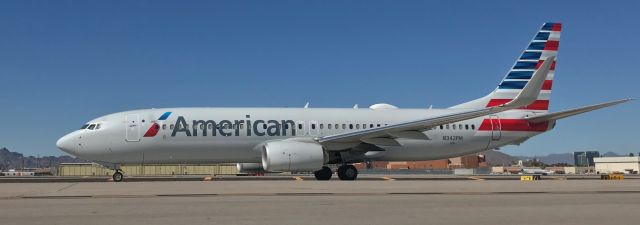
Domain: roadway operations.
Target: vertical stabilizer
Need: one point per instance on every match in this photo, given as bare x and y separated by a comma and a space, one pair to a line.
543, 45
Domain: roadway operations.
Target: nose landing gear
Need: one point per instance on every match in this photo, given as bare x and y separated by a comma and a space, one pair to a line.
118, 176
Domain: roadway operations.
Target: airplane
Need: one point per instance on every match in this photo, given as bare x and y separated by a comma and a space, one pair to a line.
316, 139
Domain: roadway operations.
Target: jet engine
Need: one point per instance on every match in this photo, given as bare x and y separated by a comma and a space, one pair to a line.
250, 168
293, 156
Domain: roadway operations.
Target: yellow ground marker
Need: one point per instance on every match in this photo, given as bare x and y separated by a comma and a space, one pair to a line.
475, 178
388, 178
298, 178
208, 178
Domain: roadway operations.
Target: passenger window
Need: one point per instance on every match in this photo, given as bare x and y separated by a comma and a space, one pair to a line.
473, 126
313, 126
321, 126
447, 126
466, 126
453, 126
441, 127
299, 126
91, 126
460, 126
201, 126
344, 126
364, 126
337, 127
357, 126
329, 126
264, 126
350, 126
171, 127
371, 125
378, 125
164, 126
242, 126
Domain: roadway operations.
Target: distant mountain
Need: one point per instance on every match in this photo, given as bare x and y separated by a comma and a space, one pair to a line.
496, 158
552, 158
611, 154
14, 160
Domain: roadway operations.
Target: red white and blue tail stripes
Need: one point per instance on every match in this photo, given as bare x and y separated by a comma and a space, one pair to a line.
544, 44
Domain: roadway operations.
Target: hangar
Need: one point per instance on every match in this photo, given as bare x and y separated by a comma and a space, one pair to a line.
628, 165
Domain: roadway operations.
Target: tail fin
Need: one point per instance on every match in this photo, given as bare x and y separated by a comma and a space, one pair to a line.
543, 45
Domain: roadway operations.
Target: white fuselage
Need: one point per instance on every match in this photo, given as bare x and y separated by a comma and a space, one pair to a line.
236, 135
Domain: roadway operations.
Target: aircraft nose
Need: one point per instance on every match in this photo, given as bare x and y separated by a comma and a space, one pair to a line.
66, 144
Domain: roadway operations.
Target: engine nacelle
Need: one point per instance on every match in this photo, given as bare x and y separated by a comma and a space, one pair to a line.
293, 156
250, 168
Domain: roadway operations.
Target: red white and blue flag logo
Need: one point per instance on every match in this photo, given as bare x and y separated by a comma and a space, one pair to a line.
155, 127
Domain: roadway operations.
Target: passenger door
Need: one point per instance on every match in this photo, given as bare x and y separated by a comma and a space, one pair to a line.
496, 128
132, 127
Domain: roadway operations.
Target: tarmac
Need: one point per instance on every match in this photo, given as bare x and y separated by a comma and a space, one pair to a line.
302, 200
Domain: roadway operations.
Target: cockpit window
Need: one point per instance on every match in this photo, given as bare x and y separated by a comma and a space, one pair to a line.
84, 127
91, 126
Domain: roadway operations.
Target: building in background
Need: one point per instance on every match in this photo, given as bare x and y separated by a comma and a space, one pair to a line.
585, 159
627, 165
463, 162
93, 169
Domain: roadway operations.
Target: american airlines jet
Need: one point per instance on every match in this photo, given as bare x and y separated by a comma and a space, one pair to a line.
311, 139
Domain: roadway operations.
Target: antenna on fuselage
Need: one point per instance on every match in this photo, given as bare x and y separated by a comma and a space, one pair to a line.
306, 106
355, 106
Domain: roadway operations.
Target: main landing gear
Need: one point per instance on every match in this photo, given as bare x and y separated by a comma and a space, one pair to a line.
324, 173
345, 172
118, 176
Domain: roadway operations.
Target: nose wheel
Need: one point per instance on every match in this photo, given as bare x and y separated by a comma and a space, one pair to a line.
118, 176
347, 172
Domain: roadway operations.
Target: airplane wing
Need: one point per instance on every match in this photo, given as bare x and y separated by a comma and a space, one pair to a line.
573, 112
412, 129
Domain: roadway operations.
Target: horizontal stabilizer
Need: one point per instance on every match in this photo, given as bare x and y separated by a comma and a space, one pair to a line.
573, 112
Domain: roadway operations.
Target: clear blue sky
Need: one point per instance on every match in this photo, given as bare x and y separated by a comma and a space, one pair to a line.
63, 63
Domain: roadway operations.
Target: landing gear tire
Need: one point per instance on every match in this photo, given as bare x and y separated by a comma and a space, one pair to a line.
118, 176
323, 174
347, 172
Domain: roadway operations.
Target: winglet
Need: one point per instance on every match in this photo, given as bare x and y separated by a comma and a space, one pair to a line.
530, 92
